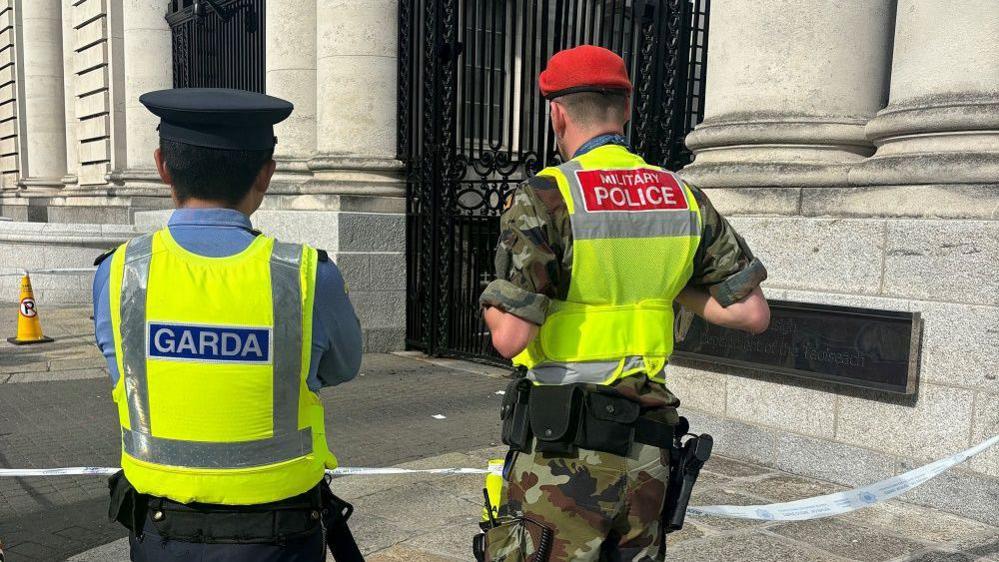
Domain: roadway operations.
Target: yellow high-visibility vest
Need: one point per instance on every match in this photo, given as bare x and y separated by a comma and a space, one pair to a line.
635, 229
213, 356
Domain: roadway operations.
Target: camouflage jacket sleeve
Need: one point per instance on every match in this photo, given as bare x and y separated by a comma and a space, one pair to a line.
533, 252
724, 265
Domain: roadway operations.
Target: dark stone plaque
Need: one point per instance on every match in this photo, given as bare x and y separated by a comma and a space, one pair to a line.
874, 349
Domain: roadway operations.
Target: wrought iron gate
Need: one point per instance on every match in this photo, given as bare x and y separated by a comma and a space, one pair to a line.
472, 125
218, 43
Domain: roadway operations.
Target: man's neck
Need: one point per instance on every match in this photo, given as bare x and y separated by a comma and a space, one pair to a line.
573, 143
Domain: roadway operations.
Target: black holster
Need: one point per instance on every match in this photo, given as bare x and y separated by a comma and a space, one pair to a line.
686, 459
339, 539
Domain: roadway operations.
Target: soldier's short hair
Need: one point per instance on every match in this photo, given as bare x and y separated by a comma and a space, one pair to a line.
588, 108
210, 173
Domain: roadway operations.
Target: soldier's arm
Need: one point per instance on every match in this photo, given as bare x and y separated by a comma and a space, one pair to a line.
749, 314
527, 267
725, 286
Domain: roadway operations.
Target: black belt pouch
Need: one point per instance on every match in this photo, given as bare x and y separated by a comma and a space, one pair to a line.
516, 431
554, 413
126, 505
608, 422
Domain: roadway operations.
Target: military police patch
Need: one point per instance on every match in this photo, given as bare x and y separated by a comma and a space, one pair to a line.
211, 344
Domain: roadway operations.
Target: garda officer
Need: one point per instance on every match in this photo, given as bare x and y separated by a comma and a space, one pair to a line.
217, 339
591, 256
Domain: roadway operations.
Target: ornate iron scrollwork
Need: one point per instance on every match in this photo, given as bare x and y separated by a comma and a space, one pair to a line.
472, 127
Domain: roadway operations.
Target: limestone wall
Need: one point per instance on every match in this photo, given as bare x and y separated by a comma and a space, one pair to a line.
943, 269
9, 127
34, 246
91, 54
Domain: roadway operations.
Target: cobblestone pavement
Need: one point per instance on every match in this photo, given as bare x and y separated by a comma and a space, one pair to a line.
385, 418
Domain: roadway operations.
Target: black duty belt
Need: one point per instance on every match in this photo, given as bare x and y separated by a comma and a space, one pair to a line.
271, 523
560, 419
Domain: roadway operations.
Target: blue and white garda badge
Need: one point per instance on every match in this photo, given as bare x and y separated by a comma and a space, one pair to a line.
208, 344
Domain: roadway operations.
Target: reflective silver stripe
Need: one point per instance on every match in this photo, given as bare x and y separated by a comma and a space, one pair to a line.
132, 308
288, 442
644, 224
594, 372
204, 454
286, 298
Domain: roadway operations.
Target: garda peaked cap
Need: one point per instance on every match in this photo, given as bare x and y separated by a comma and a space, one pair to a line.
217, 117
586, 68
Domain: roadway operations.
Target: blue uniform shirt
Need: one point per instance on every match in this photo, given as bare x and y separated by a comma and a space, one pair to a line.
336, 332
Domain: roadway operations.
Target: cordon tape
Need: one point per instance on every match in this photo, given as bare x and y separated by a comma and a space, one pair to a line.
50, 271
798, 510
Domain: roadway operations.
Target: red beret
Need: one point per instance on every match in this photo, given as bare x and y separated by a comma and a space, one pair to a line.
586, 68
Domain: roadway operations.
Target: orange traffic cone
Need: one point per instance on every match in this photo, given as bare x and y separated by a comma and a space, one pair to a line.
29, 327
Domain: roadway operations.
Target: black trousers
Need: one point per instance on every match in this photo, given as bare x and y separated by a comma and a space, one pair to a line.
154, 548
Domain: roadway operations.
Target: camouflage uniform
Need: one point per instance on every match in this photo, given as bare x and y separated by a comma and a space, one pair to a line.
597, 503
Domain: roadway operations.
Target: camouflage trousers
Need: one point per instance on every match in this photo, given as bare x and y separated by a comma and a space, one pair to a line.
601, 507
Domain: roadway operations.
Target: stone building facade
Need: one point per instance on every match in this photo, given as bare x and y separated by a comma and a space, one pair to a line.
77, 167
853, 143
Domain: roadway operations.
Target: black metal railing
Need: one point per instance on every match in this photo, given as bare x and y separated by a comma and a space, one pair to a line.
472, 125
218, 43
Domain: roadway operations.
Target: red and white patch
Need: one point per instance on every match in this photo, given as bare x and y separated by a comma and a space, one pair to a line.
631, 190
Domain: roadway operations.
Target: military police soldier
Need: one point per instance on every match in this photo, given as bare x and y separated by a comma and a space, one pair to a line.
591, 256
217, 339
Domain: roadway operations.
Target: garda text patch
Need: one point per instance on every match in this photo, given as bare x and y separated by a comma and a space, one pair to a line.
630, 190
192, 342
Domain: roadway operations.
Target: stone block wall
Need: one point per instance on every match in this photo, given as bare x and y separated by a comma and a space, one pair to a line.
9, 128
35, 246
369, 249
945, 269
92, 50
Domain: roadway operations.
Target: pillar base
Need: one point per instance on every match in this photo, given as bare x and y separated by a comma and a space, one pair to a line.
291, 171
357, 175
937, 139
785, 151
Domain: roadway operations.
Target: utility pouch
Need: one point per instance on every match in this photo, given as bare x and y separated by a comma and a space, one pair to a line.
554, 415
127, 506
516, 432
607, 423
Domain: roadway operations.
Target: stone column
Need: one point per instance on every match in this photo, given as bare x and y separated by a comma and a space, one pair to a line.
941, 125
790, 86
357, 180
69, 94
291, 75
356, 97
43, 146
147, 66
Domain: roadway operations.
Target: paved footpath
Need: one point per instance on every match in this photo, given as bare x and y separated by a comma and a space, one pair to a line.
55, 411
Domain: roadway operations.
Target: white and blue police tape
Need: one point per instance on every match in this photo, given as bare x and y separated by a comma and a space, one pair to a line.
48, 271
798, 510
339, 471
844, 502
